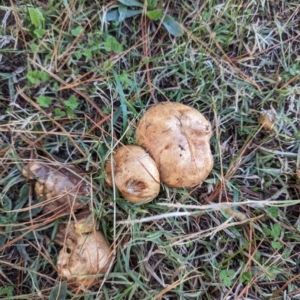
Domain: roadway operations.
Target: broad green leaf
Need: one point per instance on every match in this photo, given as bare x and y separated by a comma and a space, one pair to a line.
131, 3
257, 256
125, 80
39, 32
44, 101
246, 277
113, 15
108, 42
71, 103
206, 15
131, 13
76, 31
3, 220
117, 47
7, 291
152, 3
59, 292
33, 77
267, 231
225, 276
111, 44
276, 245
172, 26
227, 281
33, 47
78, 54
44, 76
276, 230
88, 53
6, 203
273, 211
154, 14
36, 17
122, 12
23, 198
58, 113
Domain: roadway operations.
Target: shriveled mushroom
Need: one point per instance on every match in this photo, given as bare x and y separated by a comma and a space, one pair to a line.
135, 174
178, 138
60, 187
84, 256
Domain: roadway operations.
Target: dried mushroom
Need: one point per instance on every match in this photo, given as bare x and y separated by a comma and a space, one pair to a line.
60, 188
85, 254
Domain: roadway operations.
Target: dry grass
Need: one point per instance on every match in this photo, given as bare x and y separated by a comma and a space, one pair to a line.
70, 93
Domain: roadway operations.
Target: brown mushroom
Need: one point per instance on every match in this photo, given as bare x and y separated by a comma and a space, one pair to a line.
85, 254
60, 187
135, 174
178, 138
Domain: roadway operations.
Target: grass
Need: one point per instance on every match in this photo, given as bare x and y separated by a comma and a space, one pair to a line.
73, 87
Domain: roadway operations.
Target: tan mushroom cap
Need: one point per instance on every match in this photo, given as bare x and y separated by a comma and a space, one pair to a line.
83, 257
178, 138
136, 174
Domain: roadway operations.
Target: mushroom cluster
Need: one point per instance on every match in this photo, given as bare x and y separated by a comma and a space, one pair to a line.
172, 147
178, 139
85, 253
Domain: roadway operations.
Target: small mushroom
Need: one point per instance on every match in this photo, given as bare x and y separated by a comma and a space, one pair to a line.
267, 119
178, 138
135, 174
85, 254
60, 187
